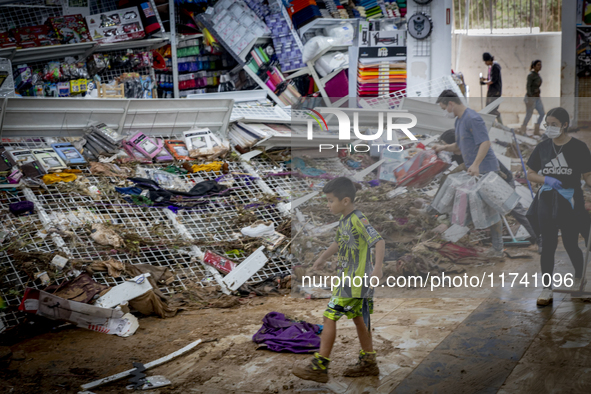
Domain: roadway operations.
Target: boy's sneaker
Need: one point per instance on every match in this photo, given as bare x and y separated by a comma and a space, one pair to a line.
317, 370
366, 366
546, 297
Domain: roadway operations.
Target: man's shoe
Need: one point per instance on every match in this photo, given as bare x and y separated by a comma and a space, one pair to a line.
317, 370
545, 298
366, 366
492, 253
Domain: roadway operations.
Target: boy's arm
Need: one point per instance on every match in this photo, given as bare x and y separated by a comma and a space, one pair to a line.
332, 249
380, 252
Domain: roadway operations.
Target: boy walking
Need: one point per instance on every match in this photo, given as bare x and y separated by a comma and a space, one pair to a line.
354, 239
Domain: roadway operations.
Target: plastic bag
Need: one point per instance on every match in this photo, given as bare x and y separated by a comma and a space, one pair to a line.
443, 201
461, 208
315, 45
164, 179
331, 61
343, 33
483, 216
498, 194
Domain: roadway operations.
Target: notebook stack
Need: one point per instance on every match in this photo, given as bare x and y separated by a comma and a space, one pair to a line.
287, 51
379, 78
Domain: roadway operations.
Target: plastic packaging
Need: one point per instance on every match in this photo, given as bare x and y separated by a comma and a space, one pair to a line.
164, 179
498, 194
461, 208
483, 216
343, 33
444, 200
331, 61
315, 46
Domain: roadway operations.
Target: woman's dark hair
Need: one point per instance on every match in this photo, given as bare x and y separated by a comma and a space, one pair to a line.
448, 136
561, 114
487, 56
534, 63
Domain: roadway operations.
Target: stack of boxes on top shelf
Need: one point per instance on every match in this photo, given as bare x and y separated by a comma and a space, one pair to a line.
372, 9
303, 12
288, 52
260, 9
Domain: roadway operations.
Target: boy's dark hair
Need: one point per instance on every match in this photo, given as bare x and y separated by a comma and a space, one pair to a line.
487, 57
341, 187
448, 96
561, 114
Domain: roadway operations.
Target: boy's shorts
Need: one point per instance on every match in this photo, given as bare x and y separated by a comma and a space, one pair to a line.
350, 307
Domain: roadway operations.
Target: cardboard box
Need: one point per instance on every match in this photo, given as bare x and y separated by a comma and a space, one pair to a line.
7, 41
70, 29
35, 36
115, 26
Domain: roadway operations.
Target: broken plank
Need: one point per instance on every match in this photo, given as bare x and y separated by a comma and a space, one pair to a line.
149, 365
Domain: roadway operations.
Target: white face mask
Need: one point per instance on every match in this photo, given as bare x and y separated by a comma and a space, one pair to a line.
553, 131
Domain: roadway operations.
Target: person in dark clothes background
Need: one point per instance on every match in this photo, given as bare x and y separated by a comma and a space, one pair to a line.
494, 82
449, 137
532, 98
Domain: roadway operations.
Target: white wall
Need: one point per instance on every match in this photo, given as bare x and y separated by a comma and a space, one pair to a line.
569, 56
421, 69
514, 53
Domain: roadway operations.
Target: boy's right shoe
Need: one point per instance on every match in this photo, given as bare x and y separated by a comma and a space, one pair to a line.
366, 366
317, 370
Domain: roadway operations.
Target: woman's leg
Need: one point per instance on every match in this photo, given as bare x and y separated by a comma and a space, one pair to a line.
570, 240
540, 109
549, 232
529, 111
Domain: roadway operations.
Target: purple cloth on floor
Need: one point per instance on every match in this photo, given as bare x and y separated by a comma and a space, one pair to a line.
22, 207
281, 334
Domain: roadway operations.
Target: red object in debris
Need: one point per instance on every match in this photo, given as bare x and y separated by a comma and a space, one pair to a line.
342, 153
220, 263
420, 145
420, 170
455, 252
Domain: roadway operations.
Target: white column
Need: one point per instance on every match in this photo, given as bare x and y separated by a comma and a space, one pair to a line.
569, 57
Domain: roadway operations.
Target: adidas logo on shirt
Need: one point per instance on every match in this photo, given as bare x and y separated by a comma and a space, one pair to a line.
558, 166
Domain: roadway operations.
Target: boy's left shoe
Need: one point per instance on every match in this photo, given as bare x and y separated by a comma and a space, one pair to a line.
317, 370
366, 366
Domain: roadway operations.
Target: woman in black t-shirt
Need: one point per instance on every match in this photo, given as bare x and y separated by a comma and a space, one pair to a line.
559, 163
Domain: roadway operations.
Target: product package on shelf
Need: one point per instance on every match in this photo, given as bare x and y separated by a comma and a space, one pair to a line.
286, 48
146, 13
6, 40
35, 36
237, 24
115, 26
70, 29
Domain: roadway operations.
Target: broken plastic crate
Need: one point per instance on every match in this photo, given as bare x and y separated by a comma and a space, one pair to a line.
420, 169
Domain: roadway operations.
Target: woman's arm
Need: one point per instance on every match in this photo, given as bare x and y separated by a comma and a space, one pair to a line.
529, 85
533, 176
587, 178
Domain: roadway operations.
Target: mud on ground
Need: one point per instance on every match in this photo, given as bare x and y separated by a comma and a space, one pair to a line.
61, 361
